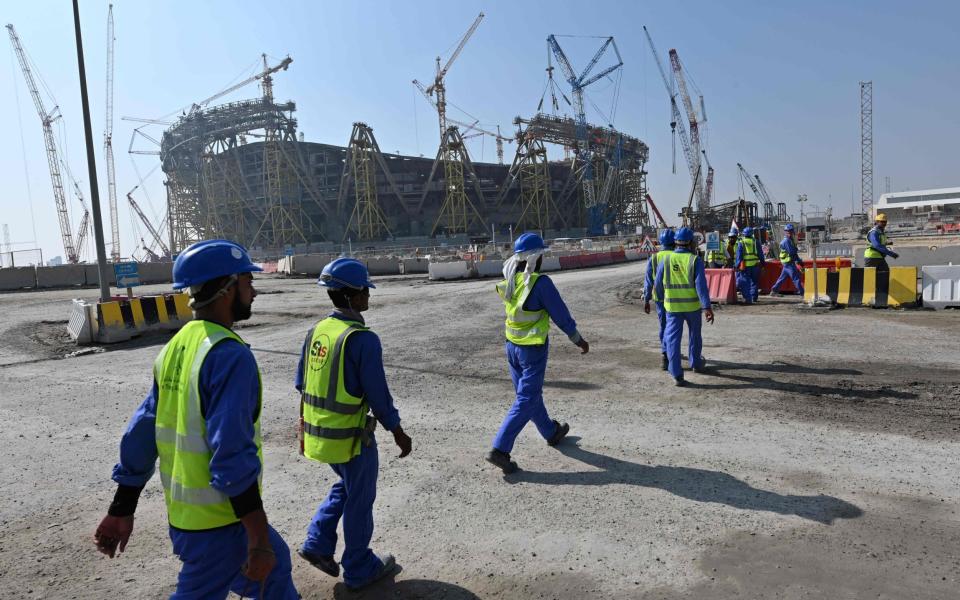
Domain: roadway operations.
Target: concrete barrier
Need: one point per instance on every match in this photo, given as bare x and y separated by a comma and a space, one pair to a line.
489, 268
410, 266
307, 264
449, 270
722, 285
590, 260
550, 263
618, 256
120, 319
159, 272
572, 261
917, 256
864, 286
941, 286
631, 254
91, 275
62, 276
17, 278
383, 266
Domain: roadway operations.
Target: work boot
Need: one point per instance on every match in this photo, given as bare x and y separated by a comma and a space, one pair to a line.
327, 564
664, 362
558, 434
502, 459
775, 294
680, 382
701, 366
389, 566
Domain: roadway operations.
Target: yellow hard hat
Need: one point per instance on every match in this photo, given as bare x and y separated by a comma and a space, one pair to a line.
881, 217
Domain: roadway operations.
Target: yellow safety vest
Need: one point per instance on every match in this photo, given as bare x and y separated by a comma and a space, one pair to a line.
655, 262
334, 422
679, 283
716, 256
181, 429
870, 252
524, 328
750, 256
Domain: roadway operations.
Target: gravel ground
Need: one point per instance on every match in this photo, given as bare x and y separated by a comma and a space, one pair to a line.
817, 459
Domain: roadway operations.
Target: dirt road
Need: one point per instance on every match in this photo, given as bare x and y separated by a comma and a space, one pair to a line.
817, 459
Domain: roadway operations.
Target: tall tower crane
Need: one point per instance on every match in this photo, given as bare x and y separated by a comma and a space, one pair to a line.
577, 84
438, 85
500, 139
53, 161
108, 145
693, 121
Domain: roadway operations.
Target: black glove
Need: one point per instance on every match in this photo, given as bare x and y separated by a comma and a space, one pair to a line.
895, 255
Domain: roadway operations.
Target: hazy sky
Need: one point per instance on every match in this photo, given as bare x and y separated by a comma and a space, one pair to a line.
780, 81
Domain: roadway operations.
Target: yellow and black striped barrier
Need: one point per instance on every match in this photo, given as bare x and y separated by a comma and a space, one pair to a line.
864, 286
120, 319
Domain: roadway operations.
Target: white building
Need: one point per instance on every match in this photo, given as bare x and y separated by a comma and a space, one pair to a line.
921, 209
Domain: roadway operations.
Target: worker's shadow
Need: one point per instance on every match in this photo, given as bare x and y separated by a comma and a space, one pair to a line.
699, 485
778, 367
405, 589
810, 389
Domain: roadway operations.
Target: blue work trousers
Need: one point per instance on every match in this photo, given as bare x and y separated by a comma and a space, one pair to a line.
212, 560
351, 498
789, 270
674, 335
662, 318
748, 281
528, 365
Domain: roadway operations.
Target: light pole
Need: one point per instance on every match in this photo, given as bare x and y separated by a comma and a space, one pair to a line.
802, 199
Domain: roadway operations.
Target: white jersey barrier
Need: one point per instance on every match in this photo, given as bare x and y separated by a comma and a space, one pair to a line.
941, 286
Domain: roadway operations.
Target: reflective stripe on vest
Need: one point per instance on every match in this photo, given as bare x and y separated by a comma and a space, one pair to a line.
679, 287
181, 431
524, 328
871, 252
655, 262
749, 256
333, 419
785, 257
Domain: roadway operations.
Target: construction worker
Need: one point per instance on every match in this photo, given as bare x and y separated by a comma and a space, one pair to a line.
682, 284
874, 255
531, 300
340, 377
716, 259
202, 419
748, 262
666, 243
791, 262
731, 247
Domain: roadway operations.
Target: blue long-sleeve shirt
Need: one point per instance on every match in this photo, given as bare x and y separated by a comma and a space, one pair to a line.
546, 296
874, 238
699, 279
363, 374
229, 399
741, 251
787, 245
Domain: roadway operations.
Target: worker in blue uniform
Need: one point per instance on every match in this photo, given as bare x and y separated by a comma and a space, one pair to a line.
666, 245
531, 300
340, 377
682, 284
748, 263
876, 253
202, 420
791, 262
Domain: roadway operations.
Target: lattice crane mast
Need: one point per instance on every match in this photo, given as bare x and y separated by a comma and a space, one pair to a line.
53, 161
108, 145
467, 127
264, 74
692, 119
438, 87
577, 84
157, 238
708, 190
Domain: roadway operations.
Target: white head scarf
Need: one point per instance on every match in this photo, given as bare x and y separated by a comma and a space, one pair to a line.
510, 268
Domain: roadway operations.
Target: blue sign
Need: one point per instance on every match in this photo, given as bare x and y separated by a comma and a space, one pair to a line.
127, 274
288, 251
713, 240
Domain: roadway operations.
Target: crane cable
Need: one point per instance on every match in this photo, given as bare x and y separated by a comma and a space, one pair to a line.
23, 146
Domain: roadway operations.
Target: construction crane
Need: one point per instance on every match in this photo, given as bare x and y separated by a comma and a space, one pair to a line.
264, 74
660, 221
53, 161
708, 190
467, 127
108, 146
693, 122
577, 84
439, 87
676, 125
157, 238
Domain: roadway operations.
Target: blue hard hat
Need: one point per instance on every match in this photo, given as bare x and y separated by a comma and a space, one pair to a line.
345, 273
210, 259
529, 242
788, 227
684, 235
748, 231
666, 237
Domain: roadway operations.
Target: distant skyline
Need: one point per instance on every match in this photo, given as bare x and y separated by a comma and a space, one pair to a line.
780, 82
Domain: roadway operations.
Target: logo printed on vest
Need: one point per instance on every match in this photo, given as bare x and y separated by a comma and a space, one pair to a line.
171, 381
319, 352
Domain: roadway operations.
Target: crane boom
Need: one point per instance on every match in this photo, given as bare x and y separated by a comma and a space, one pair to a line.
266, 72
441, 73
704, 200
157, 238
108, 145
53, 160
